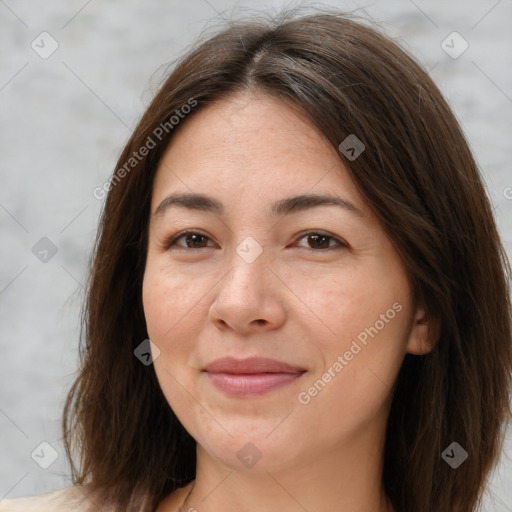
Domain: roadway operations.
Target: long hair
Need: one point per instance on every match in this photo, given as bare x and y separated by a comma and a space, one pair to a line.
419, 178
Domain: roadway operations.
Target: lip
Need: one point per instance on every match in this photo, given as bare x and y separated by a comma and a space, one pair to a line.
251, 365
251, 376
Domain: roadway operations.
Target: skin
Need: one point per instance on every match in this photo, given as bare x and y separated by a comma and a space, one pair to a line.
296, 302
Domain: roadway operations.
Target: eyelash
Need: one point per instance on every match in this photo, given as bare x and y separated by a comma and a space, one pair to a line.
170, 242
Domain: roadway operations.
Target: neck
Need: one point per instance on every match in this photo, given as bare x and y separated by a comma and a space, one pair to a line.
348, 478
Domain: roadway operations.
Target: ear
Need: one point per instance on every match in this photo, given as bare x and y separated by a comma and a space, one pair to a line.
424, 333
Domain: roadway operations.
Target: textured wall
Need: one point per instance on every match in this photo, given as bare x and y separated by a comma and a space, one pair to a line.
65, 117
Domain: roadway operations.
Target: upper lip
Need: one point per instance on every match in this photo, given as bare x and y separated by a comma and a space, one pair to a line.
251, 365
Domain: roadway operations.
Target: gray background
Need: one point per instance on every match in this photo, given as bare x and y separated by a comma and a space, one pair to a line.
66, 118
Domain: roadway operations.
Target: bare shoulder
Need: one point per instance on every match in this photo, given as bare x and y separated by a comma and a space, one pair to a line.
173, 502
70, 499
80, 499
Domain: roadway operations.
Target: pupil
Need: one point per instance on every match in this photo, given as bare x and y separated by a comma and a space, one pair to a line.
316, 237
194, 238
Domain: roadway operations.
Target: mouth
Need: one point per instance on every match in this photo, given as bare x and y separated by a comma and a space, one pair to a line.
251, 376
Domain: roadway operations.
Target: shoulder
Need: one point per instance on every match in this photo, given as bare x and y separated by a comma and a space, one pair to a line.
69, 499
175, 500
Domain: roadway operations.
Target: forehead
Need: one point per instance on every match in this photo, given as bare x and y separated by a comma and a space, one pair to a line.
247, 144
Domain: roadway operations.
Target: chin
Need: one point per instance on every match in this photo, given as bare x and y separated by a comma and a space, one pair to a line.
260, 450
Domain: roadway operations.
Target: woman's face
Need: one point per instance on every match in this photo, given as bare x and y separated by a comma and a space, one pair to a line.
314, 285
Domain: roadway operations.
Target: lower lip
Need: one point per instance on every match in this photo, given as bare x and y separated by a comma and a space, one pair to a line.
251, 384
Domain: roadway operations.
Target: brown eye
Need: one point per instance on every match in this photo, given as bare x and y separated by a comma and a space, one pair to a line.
319, 241
193, 240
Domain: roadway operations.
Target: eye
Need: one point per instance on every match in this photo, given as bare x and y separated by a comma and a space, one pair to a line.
196, 240
193, 240
321, 240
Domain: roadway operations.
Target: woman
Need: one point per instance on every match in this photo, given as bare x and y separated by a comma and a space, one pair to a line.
299, 227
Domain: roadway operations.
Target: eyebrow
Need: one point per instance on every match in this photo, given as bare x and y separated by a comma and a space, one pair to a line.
202, 202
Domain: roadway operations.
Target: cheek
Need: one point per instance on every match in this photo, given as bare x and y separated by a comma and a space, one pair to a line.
364, 317
157, 310
171, 310
343, 303
170, 303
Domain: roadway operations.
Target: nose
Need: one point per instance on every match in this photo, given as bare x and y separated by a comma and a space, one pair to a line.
249, 298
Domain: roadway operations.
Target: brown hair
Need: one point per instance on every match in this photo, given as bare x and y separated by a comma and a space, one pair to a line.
419, 177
